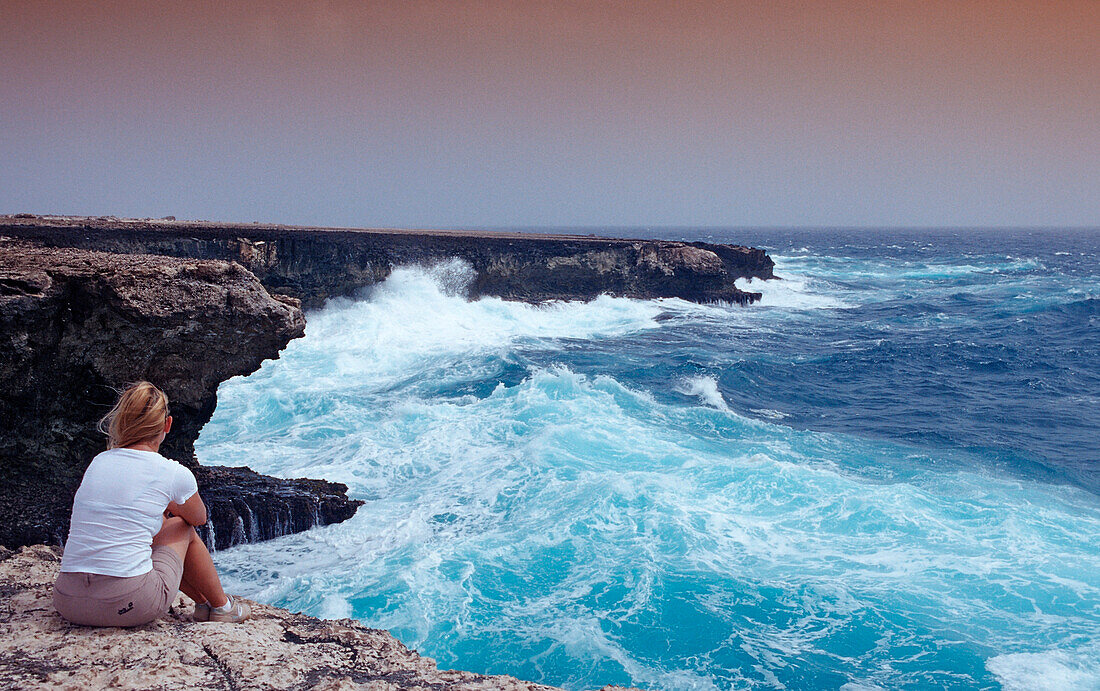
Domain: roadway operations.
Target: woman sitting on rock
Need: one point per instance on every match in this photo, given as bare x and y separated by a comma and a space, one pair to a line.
132, 542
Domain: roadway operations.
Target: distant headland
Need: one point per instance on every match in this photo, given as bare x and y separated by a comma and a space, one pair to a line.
313, 264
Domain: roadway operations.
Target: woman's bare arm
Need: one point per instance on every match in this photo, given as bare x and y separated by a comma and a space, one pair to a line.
193, 510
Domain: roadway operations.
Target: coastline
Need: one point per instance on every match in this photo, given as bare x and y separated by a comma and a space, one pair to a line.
314, 264
84, 296
276, 649
83, 300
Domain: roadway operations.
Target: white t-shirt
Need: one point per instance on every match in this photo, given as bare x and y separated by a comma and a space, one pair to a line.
119, 508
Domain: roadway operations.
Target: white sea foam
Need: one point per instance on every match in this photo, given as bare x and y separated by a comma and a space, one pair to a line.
418, 320
792, 292
822, 267
769, 414
705, 388
568, 521
1051, 670
335, 607
428, 305
505, 517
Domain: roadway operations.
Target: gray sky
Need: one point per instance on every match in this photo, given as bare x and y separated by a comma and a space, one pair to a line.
441, 114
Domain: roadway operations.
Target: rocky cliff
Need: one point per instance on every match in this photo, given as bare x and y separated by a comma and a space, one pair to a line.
90, 304
313, 264
274, 650
76, 325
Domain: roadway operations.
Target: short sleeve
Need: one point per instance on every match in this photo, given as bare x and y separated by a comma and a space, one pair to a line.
185, 485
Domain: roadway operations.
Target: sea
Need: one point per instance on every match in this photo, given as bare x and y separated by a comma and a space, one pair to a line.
885, 474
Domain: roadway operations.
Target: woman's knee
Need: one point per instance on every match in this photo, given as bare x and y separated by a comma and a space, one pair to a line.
175, 529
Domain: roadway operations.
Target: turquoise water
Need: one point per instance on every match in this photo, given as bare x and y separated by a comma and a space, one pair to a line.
885, 475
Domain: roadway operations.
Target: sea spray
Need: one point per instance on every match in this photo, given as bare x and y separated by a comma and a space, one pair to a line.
792, 292
705, 388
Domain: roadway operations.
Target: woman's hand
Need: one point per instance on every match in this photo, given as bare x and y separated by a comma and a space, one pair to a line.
193, 510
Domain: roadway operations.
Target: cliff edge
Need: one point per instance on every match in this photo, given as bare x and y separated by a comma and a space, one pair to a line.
276, 649
76, 325
314, 264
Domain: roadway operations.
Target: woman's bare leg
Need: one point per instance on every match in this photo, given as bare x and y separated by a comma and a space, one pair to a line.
198, 567
192, 592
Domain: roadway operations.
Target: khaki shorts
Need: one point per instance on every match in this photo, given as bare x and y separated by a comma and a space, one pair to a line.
95, 600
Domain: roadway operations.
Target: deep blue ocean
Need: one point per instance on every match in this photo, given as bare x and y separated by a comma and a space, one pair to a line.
884, 475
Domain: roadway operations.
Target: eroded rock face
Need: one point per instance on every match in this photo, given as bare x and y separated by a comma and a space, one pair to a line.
245, 506
76, 325
276, 649
314, 264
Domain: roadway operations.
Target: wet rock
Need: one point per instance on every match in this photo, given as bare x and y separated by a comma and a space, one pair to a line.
245, 506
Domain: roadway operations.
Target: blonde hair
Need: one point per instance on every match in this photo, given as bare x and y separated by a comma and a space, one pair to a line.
138, 416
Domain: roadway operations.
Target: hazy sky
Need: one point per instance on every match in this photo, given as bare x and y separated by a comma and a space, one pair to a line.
433, 114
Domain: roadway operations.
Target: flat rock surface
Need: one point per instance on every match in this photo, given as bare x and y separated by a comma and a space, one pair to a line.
275, 650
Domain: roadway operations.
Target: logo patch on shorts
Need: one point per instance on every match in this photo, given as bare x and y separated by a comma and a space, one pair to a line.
126, 609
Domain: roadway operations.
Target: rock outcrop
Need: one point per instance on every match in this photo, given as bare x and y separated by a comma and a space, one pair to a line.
313, 264
276, 649
76, 325
245, 506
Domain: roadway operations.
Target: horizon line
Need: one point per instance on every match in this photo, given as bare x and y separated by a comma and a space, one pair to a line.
495, 227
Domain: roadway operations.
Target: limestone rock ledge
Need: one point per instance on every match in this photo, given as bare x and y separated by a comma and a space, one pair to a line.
275, 650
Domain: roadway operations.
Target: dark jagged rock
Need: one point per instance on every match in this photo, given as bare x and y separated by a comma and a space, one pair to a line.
76, 325
314, 264
245, 506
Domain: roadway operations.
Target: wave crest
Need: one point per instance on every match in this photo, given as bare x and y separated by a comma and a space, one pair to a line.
705, 388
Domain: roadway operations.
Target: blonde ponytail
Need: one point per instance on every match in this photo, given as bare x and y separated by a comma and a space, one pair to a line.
138, 416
